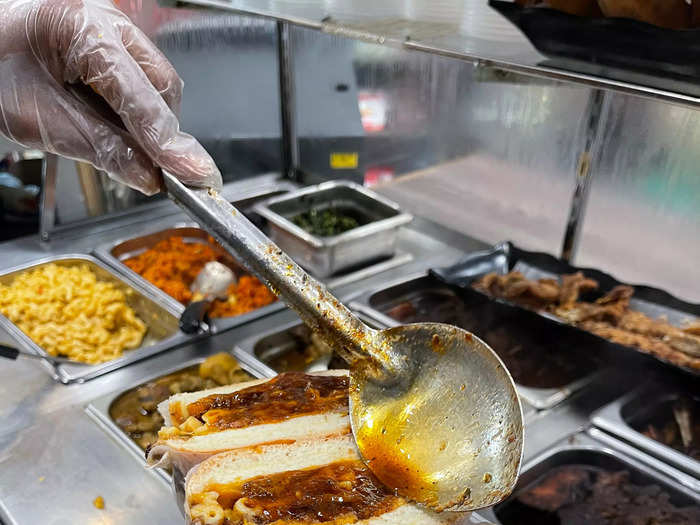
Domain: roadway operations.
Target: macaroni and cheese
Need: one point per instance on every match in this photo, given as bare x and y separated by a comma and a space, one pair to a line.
68, 312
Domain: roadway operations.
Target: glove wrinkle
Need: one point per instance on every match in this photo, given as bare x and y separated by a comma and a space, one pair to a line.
48, 45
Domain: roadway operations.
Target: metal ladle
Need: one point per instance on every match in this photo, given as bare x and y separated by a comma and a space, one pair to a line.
433, 410
212, 282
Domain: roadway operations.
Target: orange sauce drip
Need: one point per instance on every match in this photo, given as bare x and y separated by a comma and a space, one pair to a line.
394, 469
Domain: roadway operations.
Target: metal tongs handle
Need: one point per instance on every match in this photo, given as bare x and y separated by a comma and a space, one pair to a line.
318, 308
11, 353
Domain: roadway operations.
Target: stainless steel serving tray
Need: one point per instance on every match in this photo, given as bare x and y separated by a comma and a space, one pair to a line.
326, 256
266, 340
614, 417
98, 409
113, 253
251, 346
585, 448
274, 341
504, 257
540, 398
160, 314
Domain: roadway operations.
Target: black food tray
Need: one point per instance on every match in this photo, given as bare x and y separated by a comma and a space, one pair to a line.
505, 257
617, 42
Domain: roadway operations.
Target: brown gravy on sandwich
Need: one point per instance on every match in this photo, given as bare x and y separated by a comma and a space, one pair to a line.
344, 490
288, 395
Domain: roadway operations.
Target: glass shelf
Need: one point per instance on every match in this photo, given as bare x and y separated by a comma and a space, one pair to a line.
464, 29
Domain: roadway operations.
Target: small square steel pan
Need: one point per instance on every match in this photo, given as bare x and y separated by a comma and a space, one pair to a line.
377, 303
643, 403
99, 408
160, 315
585, 448
323, 257
117, 251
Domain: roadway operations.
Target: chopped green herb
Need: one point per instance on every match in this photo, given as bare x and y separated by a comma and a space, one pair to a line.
325, 223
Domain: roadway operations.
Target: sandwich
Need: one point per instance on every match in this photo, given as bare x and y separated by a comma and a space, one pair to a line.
276, 451
288, 408
302, 482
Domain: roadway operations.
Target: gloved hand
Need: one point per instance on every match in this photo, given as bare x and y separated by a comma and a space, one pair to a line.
47, 46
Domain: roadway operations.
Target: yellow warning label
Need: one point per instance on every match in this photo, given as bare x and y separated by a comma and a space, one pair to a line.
344, 161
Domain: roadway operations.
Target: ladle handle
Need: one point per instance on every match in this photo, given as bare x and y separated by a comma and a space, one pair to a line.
192, 318
8, 352
320, 310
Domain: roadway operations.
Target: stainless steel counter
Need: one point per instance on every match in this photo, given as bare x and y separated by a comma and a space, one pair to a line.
55, 459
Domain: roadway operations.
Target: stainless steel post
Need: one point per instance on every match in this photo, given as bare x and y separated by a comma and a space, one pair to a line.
290, 146
597, 111
47, 214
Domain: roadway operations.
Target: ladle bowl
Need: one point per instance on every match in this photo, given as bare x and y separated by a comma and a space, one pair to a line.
433, 410
445, 428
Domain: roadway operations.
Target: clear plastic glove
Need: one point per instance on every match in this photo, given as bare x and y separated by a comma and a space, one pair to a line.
48, 46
